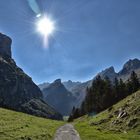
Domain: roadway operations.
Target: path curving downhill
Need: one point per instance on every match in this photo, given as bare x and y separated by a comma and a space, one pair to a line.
67, 132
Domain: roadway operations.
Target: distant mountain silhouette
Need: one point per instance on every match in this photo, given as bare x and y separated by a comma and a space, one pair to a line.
18, 91
109, 72
78, 89
124, 73
44, 85
128, 67
70, 84
59, 97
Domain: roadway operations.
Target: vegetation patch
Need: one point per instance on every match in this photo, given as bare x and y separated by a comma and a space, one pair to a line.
120, 122
20, 126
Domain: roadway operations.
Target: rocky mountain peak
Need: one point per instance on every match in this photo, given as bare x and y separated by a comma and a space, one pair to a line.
109, 72
130, 65
69, 81
5, 45
57, 81
59, 97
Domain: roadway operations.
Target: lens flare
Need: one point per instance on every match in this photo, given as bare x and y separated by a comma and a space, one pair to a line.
45, 26
38, 15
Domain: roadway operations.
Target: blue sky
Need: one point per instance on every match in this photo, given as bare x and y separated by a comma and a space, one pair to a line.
92, 35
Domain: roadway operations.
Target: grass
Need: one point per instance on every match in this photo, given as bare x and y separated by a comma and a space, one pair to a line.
102, 126
20, 126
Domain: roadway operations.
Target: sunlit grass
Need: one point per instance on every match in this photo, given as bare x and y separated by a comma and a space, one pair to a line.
108, 130
17, 126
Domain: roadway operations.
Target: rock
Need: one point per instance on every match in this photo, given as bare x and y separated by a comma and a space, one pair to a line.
59, 97
124, 132
5, 45
130, 66
57, 81
109, 72
17, 89
122, 113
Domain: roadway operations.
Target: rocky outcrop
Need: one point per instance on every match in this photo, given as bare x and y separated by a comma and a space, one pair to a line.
5, 45
109, 72
70, 84
124, 73
17, 89
59, 97
131, 65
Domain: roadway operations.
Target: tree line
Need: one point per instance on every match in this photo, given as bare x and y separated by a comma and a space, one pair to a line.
103, 94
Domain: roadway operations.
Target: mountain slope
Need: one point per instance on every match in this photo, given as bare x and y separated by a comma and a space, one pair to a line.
128, 67
20, 126
124, 73
43, 85
17, 89
59, 97
70, 84
78, 89
109, 72
119, 122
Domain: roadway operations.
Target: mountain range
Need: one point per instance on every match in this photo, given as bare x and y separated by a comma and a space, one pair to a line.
78, 89
18, 91
59, 97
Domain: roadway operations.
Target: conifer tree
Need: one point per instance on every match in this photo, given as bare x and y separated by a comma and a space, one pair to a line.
134, 81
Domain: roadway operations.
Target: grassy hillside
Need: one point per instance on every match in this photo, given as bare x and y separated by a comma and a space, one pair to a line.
120, 122
20, 126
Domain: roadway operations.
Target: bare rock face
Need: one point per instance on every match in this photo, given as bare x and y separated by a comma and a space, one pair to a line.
129, 66
59, 97
124, 73
17, 90
109, 72
5, 45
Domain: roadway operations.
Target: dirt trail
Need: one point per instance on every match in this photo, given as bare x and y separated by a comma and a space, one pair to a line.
67, 132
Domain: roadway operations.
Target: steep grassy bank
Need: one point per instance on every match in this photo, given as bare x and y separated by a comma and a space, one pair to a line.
20, 126
120, 122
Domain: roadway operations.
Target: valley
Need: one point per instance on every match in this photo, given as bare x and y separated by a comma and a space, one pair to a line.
106, 125
69, 69
31, 112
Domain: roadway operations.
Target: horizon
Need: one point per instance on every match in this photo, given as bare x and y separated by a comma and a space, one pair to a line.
78, 49
91, 77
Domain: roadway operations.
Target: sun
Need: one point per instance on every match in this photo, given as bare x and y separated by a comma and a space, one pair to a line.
45, 26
